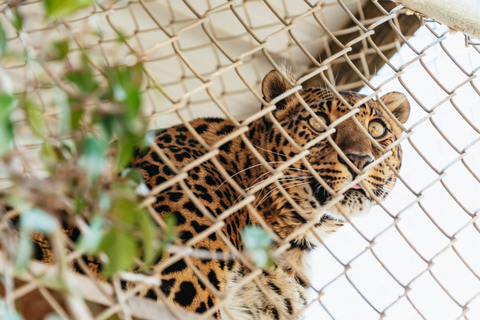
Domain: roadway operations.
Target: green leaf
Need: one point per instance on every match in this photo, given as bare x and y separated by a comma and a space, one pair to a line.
260, 258
93, 158
134, 175
37, 220
125, 210
35, 118
63, 107
53, 155
7, 313
118, 92
149, 139
121, 250
135, 178
75, 112
169, 234
83, 79
256, 238
80, 204
142, 190
59, 50
24, 252
90, 241
3, 39
171, 220
17, 19
7, 105
126, 147
58, 9
258, 244
48, 153
125, 86
104, 202
148, 230
121, 37
66, 148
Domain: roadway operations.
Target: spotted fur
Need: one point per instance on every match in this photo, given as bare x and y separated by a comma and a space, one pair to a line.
283, 292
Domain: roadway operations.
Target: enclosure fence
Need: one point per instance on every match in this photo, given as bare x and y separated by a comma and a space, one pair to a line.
415, 256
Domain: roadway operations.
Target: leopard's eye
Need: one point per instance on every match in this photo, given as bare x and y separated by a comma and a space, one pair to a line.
316, 124
377, 129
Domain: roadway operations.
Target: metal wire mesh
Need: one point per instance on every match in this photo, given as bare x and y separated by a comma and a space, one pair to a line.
208, 58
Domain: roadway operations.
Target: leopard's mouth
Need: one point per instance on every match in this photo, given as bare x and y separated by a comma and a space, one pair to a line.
323, 196
358, 188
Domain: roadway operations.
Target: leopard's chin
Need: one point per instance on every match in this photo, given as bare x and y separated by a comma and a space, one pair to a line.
355, 203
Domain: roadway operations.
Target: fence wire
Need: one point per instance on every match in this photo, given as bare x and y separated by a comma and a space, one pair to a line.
415, 256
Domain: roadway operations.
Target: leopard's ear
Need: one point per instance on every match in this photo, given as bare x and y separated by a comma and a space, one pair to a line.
274, 84
398, 104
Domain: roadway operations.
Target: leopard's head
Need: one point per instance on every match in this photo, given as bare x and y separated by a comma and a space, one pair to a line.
357, 156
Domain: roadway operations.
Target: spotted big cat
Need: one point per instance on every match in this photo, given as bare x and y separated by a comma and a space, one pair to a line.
332, 156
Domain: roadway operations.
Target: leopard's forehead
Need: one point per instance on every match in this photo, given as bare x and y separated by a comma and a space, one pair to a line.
319, 94
326, 101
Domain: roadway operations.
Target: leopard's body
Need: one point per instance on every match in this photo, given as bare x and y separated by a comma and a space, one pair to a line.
280, 291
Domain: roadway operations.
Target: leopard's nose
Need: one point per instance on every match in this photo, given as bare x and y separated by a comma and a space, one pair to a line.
359, 160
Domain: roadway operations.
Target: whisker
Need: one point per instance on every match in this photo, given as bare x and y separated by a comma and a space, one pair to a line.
284, 178
254, 166
288, 178
271, 191
254, 183
266, 150
249, 168
294, 177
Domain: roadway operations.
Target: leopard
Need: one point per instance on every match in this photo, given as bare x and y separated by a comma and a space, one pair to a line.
332, 155
313, 159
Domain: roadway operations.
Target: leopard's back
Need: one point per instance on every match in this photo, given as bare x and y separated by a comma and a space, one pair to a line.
197, 201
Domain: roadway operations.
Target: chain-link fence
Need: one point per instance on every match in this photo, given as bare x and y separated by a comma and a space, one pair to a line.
414, 256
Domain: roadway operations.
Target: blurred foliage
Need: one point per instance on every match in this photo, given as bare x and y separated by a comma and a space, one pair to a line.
7, 105
3, 39
259, 246
85, 154
60, 8
7, 313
